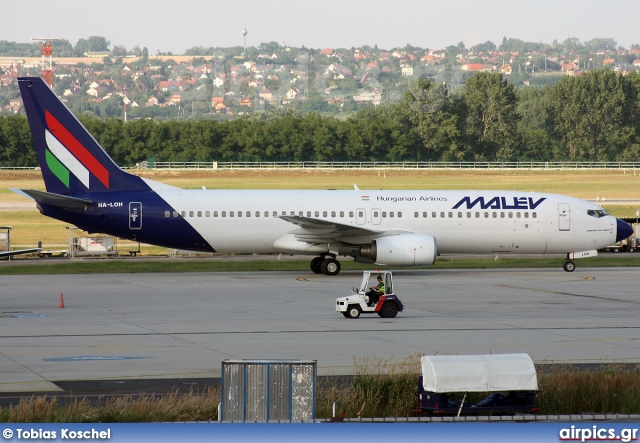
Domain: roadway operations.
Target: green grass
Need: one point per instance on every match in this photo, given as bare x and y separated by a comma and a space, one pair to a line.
129, 266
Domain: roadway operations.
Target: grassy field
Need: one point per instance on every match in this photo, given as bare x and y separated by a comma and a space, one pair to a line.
30, 227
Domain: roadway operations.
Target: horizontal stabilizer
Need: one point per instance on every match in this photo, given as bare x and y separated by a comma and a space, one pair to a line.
48, 198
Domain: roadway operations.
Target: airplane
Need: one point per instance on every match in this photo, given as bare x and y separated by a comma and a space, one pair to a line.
85, 187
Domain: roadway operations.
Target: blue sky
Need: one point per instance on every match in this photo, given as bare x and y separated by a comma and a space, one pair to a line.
176, 26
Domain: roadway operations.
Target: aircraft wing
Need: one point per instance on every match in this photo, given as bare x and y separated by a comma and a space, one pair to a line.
313, 231
18, 252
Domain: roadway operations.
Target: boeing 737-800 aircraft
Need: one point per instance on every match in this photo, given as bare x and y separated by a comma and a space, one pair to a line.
86, 188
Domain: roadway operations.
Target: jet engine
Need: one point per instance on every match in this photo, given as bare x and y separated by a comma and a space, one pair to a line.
402, 250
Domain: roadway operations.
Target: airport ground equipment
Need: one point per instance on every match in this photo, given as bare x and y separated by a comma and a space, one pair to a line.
267, 390
509, 379
364, 301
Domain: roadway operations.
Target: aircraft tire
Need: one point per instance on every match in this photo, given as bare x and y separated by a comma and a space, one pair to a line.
316, 265
569, 266
330, 266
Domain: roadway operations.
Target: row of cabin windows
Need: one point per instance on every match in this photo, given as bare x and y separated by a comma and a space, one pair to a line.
316, 214
376, 214
167, 214
477, 215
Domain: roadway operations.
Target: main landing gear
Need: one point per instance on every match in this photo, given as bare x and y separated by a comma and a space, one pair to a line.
569, 266
326, 266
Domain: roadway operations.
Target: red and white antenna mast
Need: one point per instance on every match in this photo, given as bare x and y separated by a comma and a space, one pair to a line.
47, 63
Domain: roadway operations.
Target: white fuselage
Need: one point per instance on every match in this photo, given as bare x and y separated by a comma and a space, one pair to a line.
248, 221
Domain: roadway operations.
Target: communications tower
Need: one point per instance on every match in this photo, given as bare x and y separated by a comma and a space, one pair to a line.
244, 36
47, 64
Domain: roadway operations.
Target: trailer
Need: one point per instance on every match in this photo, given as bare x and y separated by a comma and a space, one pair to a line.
510, 381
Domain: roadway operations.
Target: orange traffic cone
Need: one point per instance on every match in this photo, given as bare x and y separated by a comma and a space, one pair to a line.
61, 304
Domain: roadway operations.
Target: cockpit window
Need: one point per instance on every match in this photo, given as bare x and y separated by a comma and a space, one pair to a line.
597, 213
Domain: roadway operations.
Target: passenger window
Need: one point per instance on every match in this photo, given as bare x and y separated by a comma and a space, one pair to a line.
341, 213
308, 213
502, 215
224, 213
424, 215
207, 214
399, 214
199, 213
486, 215
376, 214
292, 213
391, 214
510, 214
175, 213
518, 215
384, 214
534, 215
324, 214
416, 215
190, 213
215, 213
230, 213
239, 214
266, 213
317, 213
257, 213
333, 213
434, 215
360, 214
167, 214
351, 214
248, 214
468, 214
442, 215
477, 215
450, 214
495, 214
526, 215
459, 214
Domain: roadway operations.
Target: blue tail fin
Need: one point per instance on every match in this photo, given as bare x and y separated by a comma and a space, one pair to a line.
72, 161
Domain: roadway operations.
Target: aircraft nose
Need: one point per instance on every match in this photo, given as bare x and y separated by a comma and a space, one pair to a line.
624, 230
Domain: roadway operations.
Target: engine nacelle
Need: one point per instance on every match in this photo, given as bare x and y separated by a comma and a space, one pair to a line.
402, 250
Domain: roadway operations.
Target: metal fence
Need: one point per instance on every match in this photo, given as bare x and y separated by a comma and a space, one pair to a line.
392, 165
551, 166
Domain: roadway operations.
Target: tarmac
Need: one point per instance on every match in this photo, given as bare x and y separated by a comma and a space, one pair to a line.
182, 326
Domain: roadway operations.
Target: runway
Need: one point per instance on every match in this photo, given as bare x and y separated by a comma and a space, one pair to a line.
159, 326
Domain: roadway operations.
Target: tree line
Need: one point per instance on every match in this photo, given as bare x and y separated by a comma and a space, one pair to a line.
591, 117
